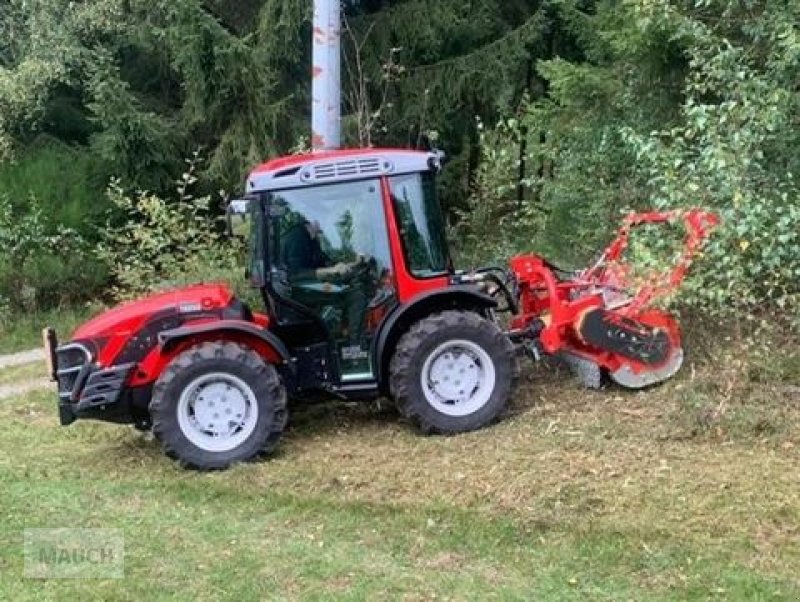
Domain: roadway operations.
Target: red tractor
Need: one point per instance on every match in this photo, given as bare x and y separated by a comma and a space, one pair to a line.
360, 300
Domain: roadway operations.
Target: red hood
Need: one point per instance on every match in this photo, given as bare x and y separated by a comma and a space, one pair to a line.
128, 318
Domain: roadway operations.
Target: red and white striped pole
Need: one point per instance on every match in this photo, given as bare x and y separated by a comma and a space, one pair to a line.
326, 110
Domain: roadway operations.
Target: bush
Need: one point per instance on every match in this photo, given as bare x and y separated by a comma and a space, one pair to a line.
734, 150
677, 105
496, 223
43, 267
163, 243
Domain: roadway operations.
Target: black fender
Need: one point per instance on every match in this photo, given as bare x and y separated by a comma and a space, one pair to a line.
400, 320
168, 338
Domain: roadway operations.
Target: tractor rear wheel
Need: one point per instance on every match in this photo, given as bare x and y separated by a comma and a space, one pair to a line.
217, 404
453, 372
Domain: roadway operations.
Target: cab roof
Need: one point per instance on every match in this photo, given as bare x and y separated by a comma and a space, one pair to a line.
326, 167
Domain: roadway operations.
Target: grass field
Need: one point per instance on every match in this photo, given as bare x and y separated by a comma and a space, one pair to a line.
22, 374
25, 330
690, 491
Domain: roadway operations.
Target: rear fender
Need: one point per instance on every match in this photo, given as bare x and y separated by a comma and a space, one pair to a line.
173, 342
421, 306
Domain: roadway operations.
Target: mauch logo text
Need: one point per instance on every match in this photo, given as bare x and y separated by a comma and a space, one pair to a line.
55, 555
74, 553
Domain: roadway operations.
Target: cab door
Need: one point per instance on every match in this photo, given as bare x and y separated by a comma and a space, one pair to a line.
330, 268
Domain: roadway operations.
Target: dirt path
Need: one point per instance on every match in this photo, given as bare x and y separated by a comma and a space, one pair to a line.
28, 384
12, 390
21, 358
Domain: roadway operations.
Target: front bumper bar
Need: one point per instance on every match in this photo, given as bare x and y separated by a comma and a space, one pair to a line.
97, 395
85, 390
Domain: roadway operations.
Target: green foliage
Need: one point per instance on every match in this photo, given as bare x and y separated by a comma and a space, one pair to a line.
674, 106
6, 314
593, 108
155, 79
22, 330
67, 181
579, 175
446, 63
138, 144
496, 222
145, 82
44, 48
43, 267
161, 243
734, 150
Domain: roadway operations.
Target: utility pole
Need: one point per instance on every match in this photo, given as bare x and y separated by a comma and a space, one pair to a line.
326, 92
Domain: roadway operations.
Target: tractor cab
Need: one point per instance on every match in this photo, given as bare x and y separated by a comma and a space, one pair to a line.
338, 241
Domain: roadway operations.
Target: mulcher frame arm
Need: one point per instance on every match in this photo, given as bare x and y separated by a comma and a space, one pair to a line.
698, 225
551, 308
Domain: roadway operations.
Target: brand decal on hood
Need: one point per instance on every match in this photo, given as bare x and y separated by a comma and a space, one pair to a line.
189, 308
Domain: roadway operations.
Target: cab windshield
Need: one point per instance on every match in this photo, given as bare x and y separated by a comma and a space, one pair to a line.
421, 224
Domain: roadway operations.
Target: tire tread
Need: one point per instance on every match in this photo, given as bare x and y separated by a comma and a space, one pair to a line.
161, 405
402, 373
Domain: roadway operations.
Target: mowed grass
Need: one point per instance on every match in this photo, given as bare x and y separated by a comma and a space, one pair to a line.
690, 491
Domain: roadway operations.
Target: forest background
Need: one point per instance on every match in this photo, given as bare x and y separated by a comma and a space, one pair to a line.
126, 125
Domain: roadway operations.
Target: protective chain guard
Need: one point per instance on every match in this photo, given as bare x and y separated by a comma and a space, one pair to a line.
629, 338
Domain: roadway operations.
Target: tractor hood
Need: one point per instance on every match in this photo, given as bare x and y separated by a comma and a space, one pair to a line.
191, 302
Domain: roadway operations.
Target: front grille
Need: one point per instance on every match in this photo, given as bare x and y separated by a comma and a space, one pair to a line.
72, 365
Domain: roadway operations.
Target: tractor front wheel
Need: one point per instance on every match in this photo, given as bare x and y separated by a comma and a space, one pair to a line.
217, 404
453, 372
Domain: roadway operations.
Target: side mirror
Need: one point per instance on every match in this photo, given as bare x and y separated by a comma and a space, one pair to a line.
237, 217
436, 160
239, 206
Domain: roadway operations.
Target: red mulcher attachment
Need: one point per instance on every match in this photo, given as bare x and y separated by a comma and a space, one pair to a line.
597, 320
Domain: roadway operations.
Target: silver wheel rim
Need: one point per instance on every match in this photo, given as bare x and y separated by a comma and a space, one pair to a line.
217, 412
458, 378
